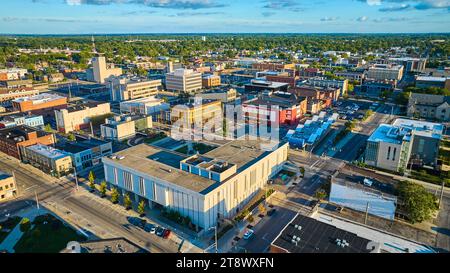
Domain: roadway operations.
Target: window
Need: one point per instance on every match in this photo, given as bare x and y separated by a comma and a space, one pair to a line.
141, 186
116, 179
421, 145
127, 180
389, 152
393, 155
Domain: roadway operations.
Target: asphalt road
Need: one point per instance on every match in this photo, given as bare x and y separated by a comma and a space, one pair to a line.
93, 212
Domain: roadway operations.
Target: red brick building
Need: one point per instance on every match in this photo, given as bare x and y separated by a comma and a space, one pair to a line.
45, 101
291, 80
318, 97
291, 108
12, 140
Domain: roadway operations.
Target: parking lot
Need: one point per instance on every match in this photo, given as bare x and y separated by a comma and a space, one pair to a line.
350, 109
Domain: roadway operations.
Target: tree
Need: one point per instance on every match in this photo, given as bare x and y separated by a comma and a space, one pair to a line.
141, 208
302, 171
71, 137
25, 225
114, 195
417, 202
262, 208
48, 128
91, 179
250, 218
103, 186
127, 201
320, 194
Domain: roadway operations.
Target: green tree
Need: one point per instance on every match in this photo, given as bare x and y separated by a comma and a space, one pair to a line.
48, 128
103, 187
320, 194
302, 171
141, 208
416, 201
114, 195
127, 201
250, 218
25, 225
91, 178
262, 208
71, 137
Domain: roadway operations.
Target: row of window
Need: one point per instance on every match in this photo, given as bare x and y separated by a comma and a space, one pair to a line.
7, 186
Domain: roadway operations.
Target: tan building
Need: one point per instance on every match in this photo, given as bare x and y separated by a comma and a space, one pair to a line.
7, 95
206, 188
383, 72
119, 128
184, 80
219, 94
8, 188
101, 70
48, 159
79, 117
122, 89
273, 66
185, 115
12, 74
211, 81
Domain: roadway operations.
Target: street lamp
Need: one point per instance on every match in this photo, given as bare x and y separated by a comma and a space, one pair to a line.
215, 237
76, 177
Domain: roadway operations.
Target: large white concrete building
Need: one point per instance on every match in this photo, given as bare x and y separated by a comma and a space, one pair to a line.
205, 187
184, 80
101, 70
122, 88
383, 72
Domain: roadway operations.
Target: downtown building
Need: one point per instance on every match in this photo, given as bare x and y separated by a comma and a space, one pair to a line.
205, 188
184, 80
393, 147
79, 117
123, 89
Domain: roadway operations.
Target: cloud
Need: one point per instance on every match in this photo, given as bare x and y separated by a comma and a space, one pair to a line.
291, 5
391, 19
329, 19
183, 14
418, 4
395, 8
362, 19
50, 20
172, 4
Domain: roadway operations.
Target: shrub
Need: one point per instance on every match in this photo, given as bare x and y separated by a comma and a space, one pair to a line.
25, 225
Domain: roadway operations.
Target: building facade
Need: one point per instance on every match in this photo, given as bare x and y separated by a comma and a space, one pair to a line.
8, 187
44, 101
184, 80
211, 81
7, 95
122, 89
14, 140
204, 188
77, 118
383, 72
48, 159
433, 107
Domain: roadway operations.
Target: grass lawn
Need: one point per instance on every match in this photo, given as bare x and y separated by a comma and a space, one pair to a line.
8, 225
200, 147
48, 235
154, 138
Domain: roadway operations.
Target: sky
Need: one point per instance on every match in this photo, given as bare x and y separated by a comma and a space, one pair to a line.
223, 16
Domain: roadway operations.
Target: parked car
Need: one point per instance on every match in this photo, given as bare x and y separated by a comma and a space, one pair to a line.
248, 234
148, 227
166, 233
271, 212
160, 231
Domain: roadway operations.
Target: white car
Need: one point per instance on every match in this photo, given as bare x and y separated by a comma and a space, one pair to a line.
248, 234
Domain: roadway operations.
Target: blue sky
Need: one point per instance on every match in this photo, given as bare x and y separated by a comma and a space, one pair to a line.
193, 16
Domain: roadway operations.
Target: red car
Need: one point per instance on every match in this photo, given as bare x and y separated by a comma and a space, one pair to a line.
166, 234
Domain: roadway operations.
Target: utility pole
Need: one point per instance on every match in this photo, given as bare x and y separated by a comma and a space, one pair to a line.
442, 194
76, 178
37, 201
92, 129
367, 213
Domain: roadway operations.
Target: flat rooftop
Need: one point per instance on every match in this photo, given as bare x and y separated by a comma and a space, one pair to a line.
41, 98
114, 245
4, 175
165, 165
47, 151
318, 237
161, 164
388, 133
10, 134
422, 128
431, 79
